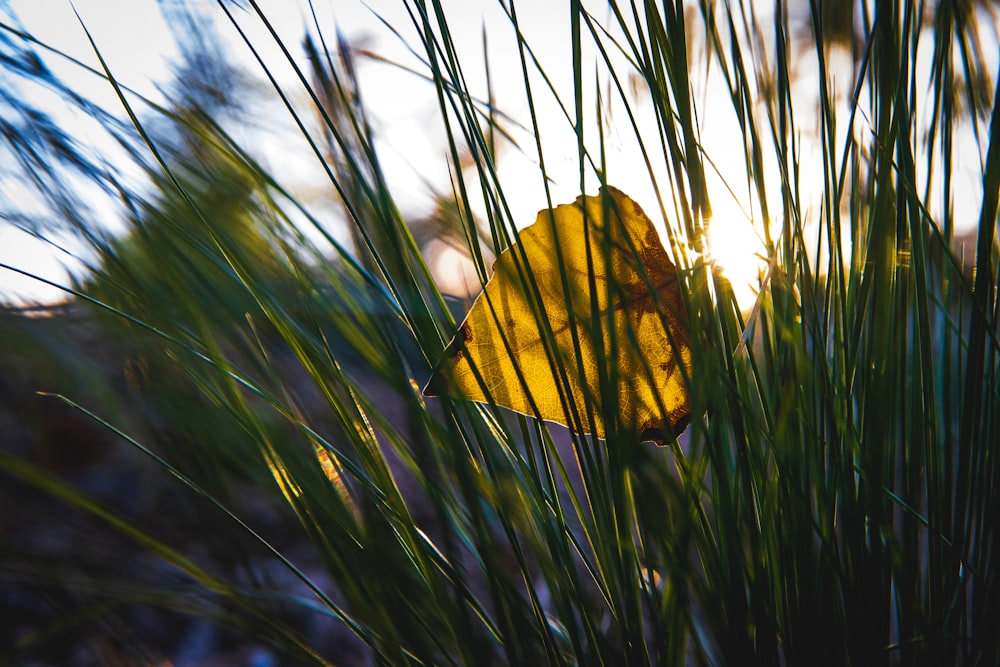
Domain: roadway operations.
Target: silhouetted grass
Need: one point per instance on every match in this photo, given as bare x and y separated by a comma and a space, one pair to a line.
834, 501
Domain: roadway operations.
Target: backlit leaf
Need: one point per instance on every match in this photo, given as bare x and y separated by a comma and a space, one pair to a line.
591, 290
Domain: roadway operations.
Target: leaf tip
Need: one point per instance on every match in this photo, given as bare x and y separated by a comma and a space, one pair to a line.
437, 384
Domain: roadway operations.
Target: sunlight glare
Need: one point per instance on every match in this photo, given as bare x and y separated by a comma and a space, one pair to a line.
734, 244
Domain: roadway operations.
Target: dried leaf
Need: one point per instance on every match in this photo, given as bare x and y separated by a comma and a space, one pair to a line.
615, 312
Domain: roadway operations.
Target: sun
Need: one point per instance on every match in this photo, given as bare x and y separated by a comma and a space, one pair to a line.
735, 245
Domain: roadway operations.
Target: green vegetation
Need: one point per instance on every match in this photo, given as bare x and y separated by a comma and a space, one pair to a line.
834, 501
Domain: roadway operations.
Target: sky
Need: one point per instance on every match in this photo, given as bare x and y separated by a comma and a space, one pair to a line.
139, 47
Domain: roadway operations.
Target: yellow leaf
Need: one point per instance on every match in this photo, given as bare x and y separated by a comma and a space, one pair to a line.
609, 301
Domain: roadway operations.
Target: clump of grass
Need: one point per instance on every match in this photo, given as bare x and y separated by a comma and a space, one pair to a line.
834, 501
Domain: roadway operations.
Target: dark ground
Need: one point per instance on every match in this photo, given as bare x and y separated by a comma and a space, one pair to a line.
76, 591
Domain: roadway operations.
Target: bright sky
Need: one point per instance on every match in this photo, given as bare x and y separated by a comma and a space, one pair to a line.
140, 54
139, 47
135, 40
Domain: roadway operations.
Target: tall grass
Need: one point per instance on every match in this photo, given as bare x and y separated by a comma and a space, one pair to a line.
835, 500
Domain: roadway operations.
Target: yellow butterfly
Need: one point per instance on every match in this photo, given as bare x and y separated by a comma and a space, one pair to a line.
596, 273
